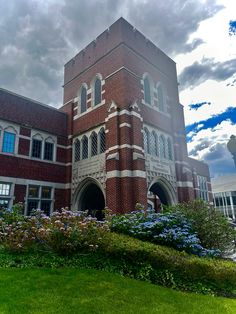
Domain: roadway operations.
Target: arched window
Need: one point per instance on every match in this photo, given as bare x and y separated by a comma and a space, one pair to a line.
48, 149
147, 91
83, 99
97, 91
102, 141
94, 144
77, 150
160, 97
162, 147
154, 143
169, 149
84, 147
146, 140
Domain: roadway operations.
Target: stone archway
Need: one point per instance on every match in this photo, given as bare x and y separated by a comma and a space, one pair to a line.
90, 196
163, 193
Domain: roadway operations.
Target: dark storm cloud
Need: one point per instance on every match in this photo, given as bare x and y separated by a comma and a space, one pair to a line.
207, 69
38, 37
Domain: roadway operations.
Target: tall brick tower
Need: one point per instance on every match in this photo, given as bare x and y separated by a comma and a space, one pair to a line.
126, 125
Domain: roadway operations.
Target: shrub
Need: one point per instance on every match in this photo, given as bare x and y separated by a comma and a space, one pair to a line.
212, 228
171, 229
64, 232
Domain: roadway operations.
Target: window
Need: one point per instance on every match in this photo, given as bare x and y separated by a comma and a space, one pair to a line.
154, 144
5, 189
77, 151
97, 92
83, 99
36, 148
162, 147
4, 203
94, 144
8, 145
169, 149
102, 138
84, 147
147, 91
5, 192
160, 97
146, 141
39, 197
203, 190
48, 151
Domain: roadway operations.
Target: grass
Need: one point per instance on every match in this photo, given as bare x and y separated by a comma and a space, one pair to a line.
90, 291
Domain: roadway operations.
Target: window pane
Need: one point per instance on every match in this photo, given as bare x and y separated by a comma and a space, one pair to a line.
4, 203
160, 98
85, 148
46, 207
147, 93
169, 148
48, 151
102, 141
32, 205
162, 147
77, 151
153, 144
83, 100
8, 145
33, 191
5, 189
94, 144
97, 92
146, 141
36, 148
46, 192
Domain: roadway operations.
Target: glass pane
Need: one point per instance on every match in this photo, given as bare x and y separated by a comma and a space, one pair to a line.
46, 192
36, 148
97, 92
4, 203
169, 147
94, 144
46, 207
83, 100
8, 145
33, 191
48, 151
32, 205
146, 141
160, 98
85, 148
147, 93
77, 151
102, 141
5, 189
162, 147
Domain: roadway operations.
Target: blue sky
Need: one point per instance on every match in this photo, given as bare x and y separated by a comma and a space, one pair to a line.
37, 37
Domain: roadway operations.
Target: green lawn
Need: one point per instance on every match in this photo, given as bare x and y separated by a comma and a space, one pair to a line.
89, 291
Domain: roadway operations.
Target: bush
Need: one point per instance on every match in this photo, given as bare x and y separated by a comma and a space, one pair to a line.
171, 229
131, 257
212, 228
64, 232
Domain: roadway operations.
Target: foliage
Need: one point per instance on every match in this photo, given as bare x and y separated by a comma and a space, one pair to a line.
64, 232
171, 229
140, 260
212, 228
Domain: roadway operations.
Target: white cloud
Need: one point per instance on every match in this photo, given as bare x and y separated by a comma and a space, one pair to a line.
210, 145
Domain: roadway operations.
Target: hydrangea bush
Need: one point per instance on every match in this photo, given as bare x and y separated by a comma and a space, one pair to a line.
171, 229
64, 232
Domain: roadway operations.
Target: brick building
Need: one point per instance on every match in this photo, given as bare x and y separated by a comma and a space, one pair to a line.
118, 139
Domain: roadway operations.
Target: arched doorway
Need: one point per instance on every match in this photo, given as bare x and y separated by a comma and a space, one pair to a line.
90, 197
163, 193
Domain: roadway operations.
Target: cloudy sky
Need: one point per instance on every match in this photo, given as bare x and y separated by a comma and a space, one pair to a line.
37, 37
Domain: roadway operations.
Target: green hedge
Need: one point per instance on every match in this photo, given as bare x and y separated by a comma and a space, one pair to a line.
141, 260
